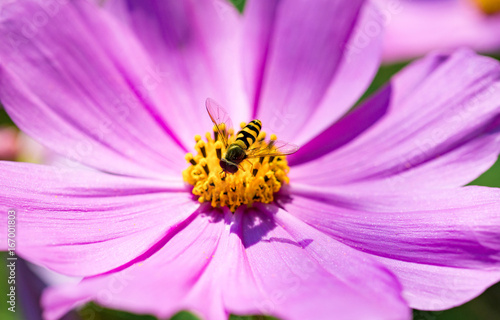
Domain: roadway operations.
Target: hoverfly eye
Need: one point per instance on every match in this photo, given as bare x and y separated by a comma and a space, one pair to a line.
232, 169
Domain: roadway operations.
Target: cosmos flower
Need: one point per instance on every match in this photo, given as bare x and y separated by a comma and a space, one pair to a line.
374, 220
416, 27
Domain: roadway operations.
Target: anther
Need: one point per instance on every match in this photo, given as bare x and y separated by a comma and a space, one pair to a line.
190, 159
218, 149
256, 168
243, 125
266, 177
216, 133
262, 136
222, 127
201, 145
203, 163
197, 138
273, 141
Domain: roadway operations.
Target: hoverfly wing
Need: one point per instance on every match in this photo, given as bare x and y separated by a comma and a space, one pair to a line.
278, 148
219, 116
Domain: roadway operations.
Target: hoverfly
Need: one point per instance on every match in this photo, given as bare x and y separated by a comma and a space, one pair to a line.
245, 146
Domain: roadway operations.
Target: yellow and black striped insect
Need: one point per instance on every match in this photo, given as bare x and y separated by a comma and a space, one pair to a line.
244, 146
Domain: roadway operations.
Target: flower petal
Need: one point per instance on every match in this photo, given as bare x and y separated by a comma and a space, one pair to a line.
305, 274
298, 57
198, 44
247, 264
434, 241
415, 28
436, 125
160, 285
82, 223
353, 76
72, 78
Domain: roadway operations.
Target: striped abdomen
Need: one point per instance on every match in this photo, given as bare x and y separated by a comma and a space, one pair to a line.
247, 136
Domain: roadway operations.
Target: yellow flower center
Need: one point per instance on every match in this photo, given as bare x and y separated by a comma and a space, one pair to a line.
488, 6
257, 180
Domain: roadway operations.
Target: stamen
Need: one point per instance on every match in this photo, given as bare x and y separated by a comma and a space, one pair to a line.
218, 149
256, 181
208, 136
273, 141
204, 165
190, 159
222, 127
201, 146
216, 133
256, 169
262, 136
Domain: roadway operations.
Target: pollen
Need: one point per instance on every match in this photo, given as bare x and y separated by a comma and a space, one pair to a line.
257, 180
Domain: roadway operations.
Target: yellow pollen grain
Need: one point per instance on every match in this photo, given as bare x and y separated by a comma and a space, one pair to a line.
488, 6
258, 182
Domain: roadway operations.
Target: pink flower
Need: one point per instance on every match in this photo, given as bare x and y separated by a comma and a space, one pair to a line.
416, 27
9, 147
375, 219
16, 146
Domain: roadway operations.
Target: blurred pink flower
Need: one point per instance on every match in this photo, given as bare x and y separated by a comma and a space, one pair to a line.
416, 27
376, 219
8, 143
17, 146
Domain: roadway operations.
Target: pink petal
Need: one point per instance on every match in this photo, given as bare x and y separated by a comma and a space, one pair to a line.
161, 285
75, 80
296, 56
443, 245
306, 274
414, 28
83, 223
355, 73
198, 44
436, 125
248, 263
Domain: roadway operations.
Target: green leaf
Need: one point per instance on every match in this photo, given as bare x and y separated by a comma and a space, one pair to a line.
239, 4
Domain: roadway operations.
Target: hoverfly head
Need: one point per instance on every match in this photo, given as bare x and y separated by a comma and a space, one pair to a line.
228, 166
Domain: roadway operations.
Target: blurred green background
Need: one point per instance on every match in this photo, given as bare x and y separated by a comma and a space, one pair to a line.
484, 307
